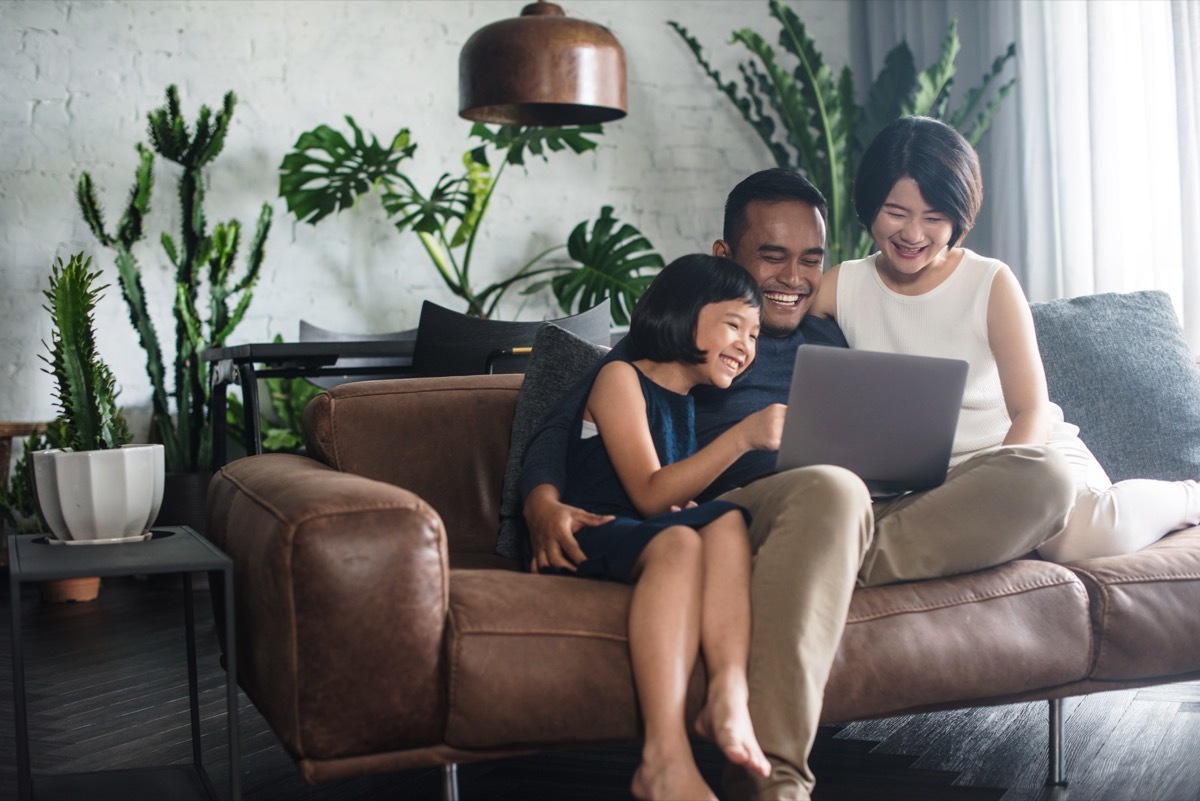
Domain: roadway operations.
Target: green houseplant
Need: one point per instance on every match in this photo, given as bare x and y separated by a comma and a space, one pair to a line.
96, 487
85, 389
211, 295
327, 172
812, 122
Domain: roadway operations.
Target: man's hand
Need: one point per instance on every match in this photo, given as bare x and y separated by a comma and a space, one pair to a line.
552, 526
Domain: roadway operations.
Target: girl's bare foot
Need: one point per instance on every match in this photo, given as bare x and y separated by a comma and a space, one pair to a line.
674, 780
725, 720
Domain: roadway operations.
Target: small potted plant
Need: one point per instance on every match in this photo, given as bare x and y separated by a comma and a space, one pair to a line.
97, 488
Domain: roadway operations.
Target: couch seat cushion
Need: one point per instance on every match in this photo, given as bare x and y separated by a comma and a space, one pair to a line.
1019, 627
1146, 609
537, 660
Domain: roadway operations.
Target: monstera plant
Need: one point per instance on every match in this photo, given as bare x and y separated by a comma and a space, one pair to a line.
327, 172
811, 121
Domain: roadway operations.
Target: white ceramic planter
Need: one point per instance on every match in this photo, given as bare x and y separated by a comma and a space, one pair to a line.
99, 495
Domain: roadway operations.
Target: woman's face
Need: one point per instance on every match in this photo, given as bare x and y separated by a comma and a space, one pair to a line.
728, 333
909, 234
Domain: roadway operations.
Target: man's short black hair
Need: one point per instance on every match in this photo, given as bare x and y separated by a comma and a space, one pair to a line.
943, 164
769, 186
662, 327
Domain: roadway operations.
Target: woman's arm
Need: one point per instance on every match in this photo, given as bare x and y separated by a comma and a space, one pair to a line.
618, 408
1022, 376
825, 304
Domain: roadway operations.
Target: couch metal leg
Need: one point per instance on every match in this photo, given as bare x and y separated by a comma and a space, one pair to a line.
450, 782
1055, 777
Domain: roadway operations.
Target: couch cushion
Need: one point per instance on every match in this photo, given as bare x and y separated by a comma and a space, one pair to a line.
1016, 628
559, 359
1121, 370
1146, 609
541, 659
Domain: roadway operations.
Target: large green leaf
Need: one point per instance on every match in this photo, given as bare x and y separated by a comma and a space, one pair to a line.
516, 139
615, 261
934, 82
751, 107
451, 199
326, 173
890, 92
979, 126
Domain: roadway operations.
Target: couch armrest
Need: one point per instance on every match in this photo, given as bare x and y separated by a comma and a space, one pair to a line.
342, 593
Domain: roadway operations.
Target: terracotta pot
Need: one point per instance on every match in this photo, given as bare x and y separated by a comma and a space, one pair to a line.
72, 590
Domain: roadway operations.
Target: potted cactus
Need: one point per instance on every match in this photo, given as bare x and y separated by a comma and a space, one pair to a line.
211, 295
97, 488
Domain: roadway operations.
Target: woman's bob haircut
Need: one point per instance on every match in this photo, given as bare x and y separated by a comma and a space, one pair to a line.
937, 157
662, 327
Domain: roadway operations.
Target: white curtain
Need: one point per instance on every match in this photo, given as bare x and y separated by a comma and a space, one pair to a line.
1092, 169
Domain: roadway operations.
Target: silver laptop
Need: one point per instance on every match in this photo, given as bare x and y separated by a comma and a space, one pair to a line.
889, 418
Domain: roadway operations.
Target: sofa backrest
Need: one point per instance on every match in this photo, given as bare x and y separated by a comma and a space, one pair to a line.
1119, 366
446, 439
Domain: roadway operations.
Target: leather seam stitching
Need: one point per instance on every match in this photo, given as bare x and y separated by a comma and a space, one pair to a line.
962, 600
506, 632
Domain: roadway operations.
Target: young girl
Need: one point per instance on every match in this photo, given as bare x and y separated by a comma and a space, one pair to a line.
635, 458
918, 190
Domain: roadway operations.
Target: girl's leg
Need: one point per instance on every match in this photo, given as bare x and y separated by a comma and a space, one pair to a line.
1111, 519
664, 634
725, 642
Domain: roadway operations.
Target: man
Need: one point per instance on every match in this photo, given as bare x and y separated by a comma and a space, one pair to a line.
815, 531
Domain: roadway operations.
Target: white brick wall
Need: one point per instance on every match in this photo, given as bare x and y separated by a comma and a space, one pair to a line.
79, 78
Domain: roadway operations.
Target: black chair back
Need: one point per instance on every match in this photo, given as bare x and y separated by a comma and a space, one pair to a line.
453, 343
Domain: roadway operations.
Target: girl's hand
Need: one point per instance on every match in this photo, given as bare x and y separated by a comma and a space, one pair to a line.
764, 429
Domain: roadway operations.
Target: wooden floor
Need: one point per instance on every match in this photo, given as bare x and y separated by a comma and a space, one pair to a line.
107, 689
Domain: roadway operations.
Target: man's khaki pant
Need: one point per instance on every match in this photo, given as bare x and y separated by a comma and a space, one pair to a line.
816, 536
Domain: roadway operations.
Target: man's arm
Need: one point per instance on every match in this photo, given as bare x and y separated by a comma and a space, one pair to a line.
552, 524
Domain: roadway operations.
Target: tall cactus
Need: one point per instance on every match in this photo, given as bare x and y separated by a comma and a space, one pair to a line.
206, 283
84, 385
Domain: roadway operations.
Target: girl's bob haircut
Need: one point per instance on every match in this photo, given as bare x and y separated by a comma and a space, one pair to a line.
937, 157
662, 327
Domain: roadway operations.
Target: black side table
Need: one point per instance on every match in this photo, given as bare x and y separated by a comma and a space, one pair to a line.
170, 550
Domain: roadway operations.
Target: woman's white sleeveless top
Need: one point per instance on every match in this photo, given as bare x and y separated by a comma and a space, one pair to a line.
948, 321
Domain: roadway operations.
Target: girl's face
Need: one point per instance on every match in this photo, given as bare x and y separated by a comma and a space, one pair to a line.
909, 234
728, 333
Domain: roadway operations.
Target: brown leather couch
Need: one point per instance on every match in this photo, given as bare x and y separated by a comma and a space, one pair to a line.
377, 631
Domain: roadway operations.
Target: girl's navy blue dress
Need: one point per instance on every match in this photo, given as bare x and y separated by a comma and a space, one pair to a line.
592, 484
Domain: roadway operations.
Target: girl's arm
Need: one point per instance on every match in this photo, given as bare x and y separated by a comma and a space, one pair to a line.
825, 304
617, 407
1022, 376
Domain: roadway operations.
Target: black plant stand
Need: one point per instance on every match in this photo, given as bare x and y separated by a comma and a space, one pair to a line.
176, 550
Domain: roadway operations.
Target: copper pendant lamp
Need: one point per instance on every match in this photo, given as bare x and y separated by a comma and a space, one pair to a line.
542, 68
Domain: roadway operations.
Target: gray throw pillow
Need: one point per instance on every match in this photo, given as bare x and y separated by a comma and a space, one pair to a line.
1119, 367
559, 360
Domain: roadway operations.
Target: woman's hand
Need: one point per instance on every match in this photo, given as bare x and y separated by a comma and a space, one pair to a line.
552, 526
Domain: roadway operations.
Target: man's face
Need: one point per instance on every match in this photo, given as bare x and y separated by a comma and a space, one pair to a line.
783, 247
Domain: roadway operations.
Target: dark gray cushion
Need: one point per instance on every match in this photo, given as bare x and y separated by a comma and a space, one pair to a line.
558, 361
1119, 367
